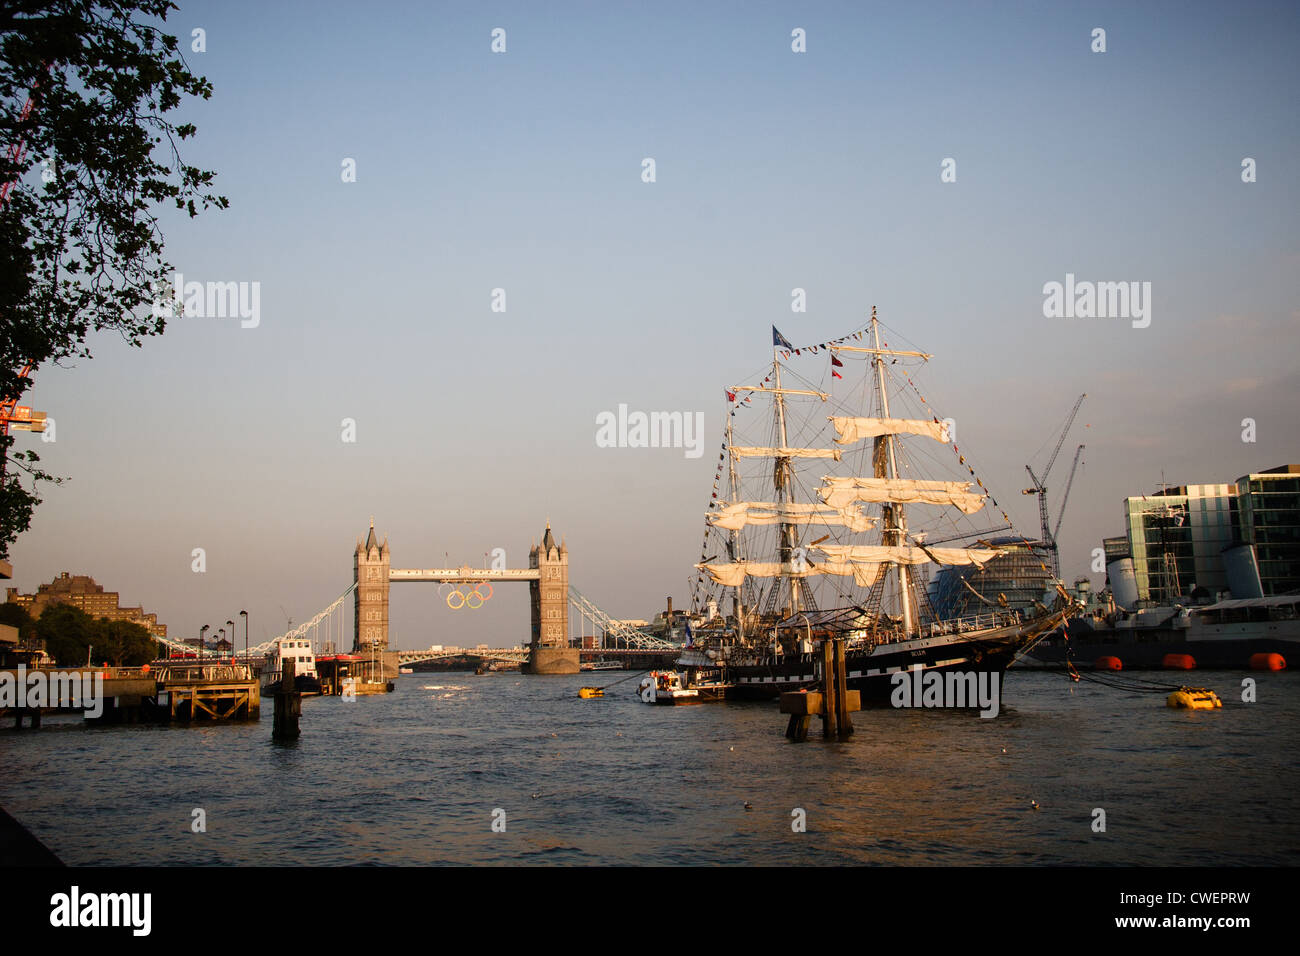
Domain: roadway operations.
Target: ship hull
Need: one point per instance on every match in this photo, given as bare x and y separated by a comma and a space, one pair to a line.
1148, 650
872, 672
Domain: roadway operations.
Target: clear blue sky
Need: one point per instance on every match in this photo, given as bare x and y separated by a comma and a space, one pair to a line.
775, 170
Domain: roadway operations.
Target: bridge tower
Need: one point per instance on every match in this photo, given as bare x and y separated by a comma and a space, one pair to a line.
370, 572
549, 648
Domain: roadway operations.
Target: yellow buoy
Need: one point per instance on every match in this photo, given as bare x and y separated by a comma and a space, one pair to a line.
587, 693
1194, 698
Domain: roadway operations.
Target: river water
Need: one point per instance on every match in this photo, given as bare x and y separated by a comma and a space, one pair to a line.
418, 777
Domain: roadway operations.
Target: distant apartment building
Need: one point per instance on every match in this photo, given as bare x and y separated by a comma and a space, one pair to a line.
1199, 541
81, 591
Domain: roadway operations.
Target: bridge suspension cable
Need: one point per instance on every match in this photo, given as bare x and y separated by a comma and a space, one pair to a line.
618, 630
311, 626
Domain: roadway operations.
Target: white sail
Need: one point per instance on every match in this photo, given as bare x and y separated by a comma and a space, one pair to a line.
748, 451
855, 429
733, 575
734, 517
841, 492
905, 554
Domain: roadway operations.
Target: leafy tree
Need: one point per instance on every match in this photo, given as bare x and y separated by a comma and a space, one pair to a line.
80, 244
15, 615
69, 633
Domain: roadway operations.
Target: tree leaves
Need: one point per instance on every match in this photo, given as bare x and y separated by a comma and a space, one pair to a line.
81, 250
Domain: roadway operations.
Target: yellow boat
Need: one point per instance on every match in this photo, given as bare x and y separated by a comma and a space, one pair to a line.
1194, 698
586, 693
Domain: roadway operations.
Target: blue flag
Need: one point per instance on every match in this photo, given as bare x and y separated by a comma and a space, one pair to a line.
779, 341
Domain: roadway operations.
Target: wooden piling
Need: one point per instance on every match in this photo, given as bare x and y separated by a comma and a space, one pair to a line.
843, 721
830, 708
833, 703
288, 706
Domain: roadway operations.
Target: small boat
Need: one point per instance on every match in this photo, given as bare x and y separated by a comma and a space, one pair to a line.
667, 687
1194, 698
587, 693
405, 670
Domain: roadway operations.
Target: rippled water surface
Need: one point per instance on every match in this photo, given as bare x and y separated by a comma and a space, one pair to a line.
414, 777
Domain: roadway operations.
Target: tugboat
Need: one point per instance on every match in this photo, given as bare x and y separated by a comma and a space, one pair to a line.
834, 453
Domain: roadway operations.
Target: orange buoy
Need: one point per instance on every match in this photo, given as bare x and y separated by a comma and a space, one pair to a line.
1108, 663
1179, 662
1267, 662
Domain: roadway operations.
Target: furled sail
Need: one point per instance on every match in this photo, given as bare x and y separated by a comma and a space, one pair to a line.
905, 554
735, 516
840, 492
733, 575
749, 451
856, 429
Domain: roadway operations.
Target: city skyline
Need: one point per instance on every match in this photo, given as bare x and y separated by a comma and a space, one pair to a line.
775, 170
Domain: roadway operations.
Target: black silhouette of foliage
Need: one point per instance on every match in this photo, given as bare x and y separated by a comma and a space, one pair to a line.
80, 245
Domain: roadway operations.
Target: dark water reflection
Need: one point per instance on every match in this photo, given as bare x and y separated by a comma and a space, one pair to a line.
413, 778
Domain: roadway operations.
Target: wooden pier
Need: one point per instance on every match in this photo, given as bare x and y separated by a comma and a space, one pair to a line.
164, 691
202, 691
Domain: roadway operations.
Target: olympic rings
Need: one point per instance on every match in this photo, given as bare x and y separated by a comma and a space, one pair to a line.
466, 597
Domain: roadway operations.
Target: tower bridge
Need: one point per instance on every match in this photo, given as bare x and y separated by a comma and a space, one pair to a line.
547, 575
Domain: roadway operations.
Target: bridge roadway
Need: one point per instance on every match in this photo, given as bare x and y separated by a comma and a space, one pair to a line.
463, 575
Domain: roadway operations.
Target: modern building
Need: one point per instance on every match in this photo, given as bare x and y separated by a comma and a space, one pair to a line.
81, 591
1191, 542
1176, 539
1022, 574
1266, 530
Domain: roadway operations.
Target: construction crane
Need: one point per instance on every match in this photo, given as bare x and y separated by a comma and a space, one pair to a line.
1066, 497
1040, 489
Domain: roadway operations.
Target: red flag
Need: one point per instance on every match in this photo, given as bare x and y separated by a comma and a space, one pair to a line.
731, 396
836, 374
836, 362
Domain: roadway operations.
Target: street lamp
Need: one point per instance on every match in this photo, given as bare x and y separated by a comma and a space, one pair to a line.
202, 632
244, 615
231, 625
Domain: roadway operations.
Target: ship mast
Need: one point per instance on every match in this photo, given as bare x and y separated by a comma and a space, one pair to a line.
895, 520
738, 601
782, 478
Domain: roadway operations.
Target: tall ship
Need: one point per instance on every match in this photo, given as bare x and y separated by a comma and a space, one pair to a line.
838, 488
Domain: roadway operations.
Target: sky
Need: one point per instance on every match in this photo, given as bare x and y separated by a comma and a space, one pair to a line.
774, 170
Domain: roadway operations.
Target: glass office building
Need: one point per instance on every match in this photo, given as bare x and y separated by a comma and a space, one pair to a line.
1018, 573
1267, 520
